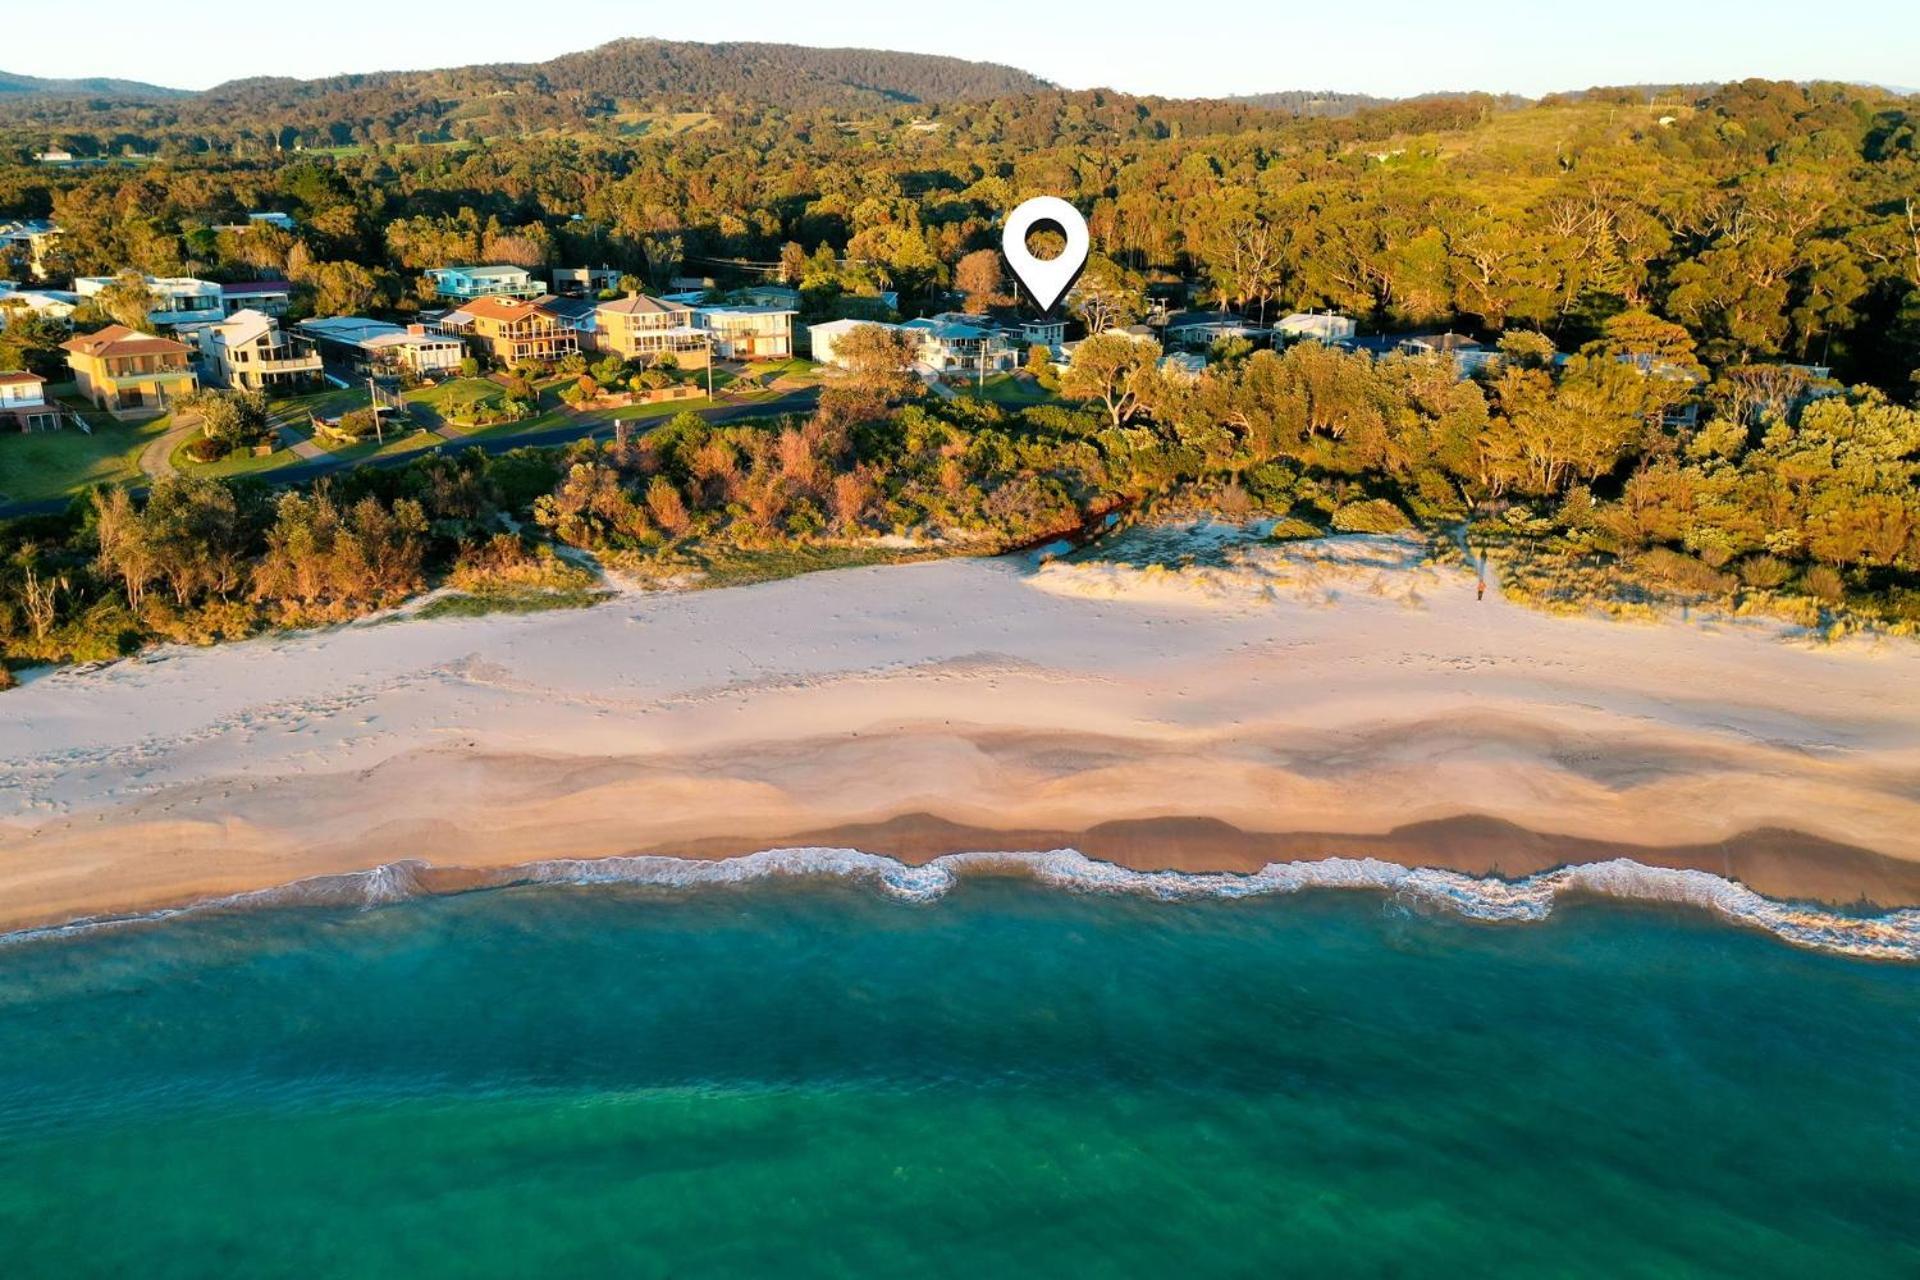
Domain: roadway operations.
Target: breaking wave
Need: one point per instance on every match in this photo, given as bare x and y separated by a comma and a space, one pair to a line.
1893, 936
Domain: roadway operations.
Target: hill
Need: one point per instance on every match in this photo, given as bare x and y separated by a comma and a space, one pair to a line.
95, 86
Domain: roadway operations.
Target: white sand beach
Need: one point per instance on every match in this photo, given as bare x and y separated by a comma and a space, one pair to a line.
1335, 689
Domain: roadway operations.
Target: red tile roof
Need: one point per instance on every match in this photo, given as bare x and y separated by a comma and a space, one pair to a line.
118, 340
8, 379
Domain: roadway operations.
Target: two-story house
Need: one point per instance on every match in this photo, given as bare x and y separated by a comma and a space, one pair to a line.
129, 373
269, 297
23, 402
956, 346
33, 238
249, 351
747, 333
460, 284
639, 328
512, 330
177, 300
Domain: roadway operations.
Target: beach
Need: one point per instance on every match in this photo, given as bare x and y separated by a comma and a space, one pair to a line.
1343, 698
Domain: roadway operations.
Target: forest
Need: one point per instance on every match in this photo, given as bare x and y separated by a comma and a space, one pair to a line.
1665, 275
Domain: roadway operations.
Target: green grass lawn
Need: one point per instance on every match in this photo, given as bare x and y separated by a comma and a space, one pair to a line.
1014, 392
36, 465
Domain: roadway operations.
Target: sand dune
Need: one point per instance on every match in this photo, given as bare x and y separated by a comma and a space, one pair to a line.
1344, 691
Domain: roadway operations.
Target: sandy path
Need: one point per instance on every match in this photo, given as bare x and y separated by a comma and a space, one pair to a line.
1343, 693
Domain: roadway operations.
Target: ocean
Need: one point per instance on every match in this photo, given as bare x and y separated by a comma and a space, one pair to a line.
804, 1076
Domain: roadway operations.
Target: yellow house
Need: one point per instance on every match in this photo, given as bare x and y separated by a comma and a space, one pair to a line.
512, 330
640, 328
129, 373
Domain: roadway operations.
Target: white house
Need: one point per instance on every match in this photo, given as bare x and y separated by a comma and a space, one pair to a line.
178, 300
55, 304
952, 346
33, 235
249, 351
747, 333
1326, 327
362, 346
23, 402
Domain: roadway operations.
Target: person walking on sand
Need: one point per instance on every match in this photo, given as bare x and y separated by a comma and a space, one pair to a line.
1480, 589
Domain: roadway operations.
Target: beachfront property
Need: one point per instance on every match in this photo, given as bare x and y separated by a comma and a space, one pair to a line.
962, 344
129, 373
747, 333
178, 300
32, 239
942, 344
249, 351
578, 314
359, 346
23, 402
639, 328
1329, 327
512, 330
459, 284
269, 297
583, 282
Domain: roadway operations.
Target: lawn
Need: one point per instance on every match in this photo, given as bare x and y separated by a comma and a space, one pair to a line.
36, 465
1015, 391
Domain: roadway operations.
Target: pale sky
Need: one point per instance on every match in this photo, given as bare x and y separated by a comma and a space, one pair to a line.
1387, 47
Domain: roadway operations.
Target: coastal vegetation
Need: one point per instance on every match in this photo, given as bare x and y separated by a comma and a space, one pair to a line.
1699, 313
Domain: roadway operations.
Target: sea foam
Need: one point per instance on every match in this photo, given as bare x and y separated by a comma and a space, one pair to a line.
1893, 936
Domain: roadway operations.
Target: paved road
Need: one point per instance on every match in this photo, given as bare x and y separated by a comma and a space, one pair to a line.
796, 402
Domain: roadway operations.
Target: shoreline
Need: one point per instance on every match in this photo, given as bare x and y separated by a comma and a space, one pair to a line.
1349, 700
1489, 898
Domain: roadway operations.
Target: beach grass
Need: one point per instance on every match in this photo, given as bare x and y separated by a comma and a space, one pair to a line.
479, 604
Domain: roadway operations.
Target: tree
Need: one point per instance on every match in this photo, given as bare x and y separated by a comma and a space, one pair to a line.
1116, 370
127, 300
980, 277
879, 359
1107, 295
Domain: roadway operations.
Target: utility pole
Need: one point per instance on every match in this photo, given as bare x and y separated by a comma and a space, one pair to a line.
709, 338
373, 403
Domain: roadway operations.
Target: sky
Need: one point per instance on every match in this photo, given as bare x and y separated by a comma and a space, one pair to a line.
1385, 47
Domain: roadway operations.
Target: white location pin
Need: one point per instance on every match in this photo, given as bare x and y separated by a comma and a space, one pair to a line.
1046, 278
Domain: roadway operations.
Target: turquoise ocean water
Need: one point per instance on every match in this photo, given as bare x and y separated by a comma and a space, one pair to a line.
810, 1078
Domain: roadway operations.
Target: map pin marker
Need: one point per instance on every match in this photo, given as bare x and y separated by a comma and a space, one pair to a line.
1046, 278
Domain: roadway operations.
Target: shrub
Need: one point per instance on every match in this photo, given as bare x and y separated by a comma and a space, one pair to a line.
1823, 582
1765, 572
1373, 515
1682, 572
1292, 528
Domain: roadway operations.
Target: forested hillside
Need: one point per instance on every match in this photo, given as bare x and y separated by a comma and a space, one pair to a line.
92, 87
1656, 276
575, 90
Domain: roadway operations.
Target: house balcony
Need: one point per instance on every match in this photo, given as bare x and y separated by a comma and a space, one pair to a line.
199, 315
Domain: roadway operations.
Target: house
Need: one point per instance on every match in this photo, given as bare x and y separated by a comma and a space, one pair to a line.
577, 314
1183, 366
360, 346
457, 284
822, 337
248, 351
769, 295
34, 238
512, 330
638, 327
1328, 327
129, 373
955, 346
1467, 355
748, 333
54, 155
55, 304
943, 344
279, 221
23, 402
178, 300
1203, 328
270, 297
584, 282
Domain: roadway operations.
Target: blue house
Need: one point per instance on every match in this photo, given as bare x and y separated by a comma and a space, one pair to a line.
461, 284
